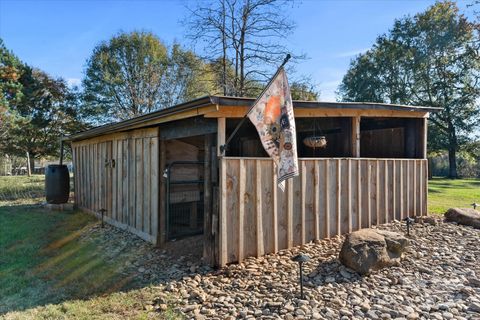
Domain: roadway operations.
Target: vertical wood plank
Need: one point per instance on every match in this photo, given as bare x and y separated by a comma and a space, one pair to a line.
162, 194
221, 129
303, 191
147, 211
421, 187
208, 238
349, 195
327, 198
394, 190
415, 191
223, 214
258, 208
377, 191
408, 189
140, 191
275, 206
359, 195
356, 137
154, 183
241, 210
369, 192
289, 213
338, 196
424, 140
316, 200
385, 191
425, 187
401, 191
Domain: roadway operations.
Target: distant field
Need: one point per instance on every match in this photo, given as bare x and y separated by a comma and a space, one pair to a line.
447, 193
14, 188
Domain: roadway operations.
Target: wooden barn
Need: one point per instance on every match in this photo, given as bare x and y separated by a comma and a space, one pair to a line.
162, 175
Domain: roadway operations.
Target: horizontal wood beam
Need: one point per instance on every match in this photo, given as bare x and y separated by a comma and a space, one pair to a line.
239, 112
187, 128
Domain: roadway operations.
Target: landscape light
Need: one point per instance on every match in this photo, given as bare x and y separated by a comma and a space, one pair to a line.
409, 221
301, 258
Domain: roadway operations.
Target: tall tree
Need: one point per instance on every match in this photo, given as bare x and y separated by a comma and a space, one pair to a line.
46, 112
431, 59
242, 35
135, 73
10, 90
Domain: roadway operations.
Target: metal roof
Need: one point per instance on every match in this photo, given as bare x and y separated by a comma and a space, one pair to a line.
234, 101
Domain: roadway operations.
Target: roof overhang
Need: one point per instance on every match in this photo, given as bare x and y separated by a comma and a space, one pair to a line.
216, 106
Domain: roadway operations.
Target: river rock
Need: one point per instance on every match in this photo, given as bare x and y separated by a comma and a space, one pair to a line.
465, 216
368, 250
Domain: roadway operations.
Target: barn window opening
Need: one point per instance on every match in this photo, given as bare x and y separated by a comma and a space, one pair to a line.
391, 137
336, 131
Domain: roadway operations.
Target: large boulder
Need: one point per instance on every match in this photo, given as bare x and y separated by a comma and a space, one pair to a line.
465, 216
368, 250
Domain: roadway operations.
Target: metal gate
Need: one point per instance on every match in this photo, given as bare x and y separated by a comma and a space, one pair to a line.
184, 205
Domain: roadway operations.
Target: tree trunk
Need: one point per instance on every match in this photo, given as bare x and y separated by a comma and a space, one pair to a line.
30, 163
452, 162
452, 151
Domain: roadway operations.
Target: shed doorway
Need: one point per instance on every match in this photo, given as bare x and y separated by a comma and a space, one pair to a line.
185, 199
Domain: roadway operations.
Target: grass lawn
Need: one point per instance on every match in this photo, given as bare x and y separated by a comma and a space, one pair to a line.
52, 268
447, 193
13, 188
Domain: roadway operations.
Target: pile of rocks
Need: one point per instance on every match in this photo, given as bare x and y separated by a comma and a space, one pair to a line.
438, 278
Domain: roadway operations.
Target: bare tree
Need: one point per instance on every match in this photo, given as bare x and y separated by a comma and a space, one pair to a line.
245, 36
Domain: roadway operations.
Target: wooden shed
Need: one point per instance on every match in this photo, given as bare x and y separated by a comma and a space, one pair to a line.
162, 176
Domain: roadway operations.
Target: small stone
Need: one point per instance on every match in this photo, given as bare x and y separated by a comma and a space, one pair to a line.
365, 307
346, 312
141, 269
474, 307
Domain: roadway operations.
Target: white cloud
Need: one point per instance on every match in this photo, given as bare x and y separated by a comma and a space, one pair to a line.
73, 82
351, 53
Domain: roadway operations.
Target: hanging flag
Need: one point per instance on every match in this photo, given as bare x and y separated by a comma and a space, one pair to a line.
273, 117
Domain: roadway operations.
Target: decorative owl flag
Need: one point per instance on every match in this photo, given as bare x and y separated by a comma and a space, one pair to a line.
272, 115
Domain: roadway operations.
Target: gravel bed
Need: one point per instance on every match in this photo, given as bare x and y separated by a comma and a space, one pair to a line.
438, 278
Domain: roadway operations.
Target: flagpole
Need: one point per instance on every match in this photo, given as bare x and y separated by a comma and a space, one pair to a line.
223, 147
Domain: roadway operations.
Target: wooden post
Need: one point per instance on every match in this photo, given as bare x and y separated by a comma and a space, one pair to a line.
208, 237
356, 137
222, 216
221, 131
162, 218
424, 138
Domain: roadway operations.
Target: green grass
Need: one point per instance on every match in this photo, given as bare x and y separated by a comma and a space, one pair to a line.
13, 188
447, 193
53, 267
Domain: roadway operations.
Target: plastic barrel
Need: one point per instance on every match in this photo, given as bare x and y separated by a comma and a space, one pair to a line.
57, 184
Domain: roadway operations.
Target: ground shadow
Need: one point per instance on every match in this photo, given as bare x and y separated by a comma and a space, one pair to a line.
53, 257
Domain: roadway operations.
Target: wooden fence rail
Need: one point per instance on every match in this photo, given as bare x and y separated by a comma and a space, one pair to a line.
330, 197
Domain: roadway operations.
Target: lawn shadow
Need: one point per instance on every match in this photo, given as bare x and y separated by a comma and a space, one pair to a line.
68, 256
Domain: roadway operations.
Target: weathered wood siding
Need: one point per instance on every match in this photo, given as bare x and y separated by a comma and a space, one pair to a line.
330, 197
126, 187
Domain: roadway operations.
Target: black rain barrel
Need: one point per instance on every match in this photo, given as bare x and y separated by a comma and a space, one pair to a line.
57, 184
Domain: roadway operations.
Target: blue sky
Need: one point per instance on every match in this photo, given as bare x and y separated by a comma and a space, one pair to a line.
58, 36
